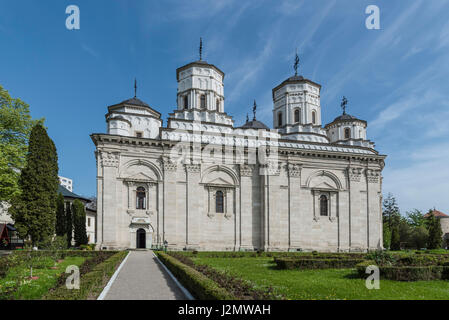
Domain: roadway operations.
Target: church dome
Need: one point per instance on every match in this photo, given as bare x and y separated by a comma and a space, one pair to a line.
346, 117
255, 124
135, 102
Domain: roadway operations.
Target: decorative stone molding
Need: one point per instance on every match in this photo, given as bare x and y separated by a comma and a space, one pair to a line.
316, 218
294, 170
228, 215
372, 175
271, 168
246, 170
354, 174
109, 159
168, 165
332, 219
193, 168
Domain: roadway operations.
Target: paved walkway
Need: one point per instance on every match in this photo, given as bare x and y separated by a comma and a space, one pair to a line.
143, 278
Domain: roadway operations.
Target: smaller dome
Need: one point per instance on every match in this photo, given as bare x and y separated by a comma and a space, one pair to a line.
255, 124
135, 102
345, 117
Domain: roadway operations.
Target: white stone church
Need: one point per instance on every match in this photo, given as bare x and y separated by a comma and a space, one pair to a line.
202, 183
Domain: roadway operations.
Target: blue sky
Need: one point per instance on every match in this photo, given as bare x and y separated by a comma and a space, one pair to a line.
396, 78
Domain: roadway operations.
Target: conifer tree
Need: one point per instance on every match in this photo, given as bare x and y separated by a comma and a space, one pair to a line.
79, 223
435, 233
395, 237
69, 224
34, 209
61, 225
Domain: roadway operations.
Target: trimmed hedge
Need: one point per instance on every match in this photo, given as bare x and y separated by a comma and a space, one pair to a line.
249, 254
290, 264
198, 284
95, 272
407, 273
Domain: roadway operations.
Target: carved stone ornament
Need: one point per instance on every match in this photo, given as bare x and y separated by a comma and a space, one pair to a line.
168, 165
272, 168
193, 168
109, 159
355, 174
294, 170
372, 175
246, 170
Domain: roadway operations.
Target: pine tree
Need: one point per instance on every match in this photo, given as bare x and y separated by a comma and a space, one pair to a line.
390, 210
61, 225
34, 209
69, 224
79, 223
395, 237
435, 233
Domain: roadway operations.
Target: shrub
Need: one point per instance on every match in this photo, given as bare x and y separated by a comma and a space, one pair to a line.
381, 257
290, 264
198, 284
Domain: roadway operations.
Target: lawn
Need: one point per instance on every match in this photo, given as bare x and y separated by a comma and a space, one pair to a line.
47, 278
323, 284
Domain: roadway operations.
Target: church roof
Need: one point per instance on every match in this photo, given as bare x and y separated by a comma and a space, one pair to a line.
134, 102
295, 79
68, 194
199, 63
344, 118
437, 214
255, 124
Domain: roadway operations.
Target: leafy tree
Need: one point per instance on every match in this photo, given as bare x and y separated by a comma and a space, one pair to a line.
419, 237
15, 128
415, 218
79, 223
34, 209
405, 232
61, 225
390, 210
69, 224
435, 232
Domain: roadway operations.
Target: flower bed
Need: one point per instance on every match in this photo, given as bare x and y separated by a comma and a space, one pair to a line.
218, 283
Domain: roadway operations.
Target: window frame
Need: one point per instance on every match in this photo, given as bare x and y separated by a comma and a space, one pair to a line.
141, 201
218, 205
203, 99
324, 198
297, 115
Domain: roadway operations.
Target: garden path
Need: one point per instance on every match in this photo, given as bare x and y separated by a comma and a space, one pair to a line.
143, 278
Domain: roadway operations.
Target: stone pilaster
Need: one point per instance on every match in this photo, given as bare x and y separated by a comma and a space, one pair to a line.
193, 207
109, 163
169, 213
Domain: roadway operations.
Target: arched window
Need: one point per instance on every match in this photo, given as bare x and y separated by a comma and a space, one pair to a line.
186, 102
313, 117
347, 133
141, 198
219, 203
203, 101
280, 119
297, 116
218, 105
323, 205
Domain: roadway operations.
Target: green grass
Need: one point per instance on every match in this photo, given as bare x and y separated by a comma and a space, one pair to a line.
35, 289
324, 284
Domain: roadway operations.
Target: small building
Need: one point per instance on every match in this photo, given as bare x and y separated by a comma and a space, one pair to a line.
91, 212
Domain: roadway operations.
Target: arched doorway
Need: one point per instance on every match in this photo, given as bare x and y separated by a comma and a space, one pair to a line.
141, 239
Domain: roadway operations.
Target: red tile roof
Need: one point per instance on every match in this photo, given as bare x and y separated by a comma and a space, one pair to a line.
436, 213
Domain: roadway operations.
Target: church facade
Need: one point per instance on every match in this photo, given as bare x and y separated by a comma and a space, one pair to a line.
202, 183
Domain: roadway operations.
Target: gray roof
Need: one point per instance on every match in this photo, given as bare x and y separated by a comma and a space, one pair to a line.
135, 102
255, 124
346, 117
68, 194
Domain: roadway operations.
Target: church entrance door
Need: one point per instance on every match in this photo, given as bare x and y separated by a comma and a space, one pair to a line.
141, 239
